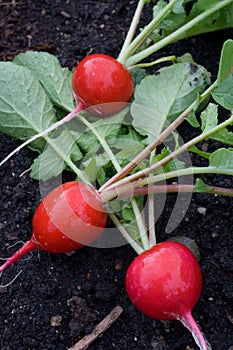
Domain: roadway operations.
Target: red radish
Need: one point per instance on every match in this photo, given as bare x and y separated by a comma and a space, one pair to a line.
101, 81
101, 85
69, 217
165, 283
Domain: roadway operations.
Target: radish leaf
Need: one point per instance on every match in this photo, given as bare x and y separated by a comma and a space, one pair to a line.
55, 79
209, 119
108, 129
52, 162
223, 94
25, 108
226, 60
220, 19
165, 95
222, 159
201, 187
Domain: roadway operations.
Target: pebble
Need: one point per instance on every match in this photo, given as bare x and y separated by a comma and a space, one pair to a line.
202, 210
55, 321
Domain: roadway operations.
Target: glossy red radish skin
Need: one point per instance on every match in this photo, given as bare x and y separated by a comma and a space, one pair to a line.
165, 283
101, 81
69, 217
72, 212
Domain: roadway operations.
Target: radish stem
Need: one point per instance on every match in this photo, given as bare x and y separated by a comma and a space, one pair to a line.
176, 35
156, 189
128, 50
173, 155
138, 216
125, 234
125, 188
189, 322
146, 151
43, 133
150, 64
151, 212
132, 28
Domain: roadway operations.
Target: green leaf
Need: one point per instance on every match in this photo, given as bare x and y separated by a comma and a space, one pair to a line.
222, 159
101, 176
223, 94
223, 136
107, 128
209, 117
165, 95
128, 153
178, 17
186, 58
196, 150
205, 4
226, 60
91, 169
174, 19
25, 108
50, 163
174, 164
192, 119
55, 79
138, 74
201, 187
127, 212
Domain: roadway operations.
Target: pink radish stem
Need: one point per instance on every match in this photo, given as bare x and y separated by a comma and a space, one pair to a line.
189, 322
80, 106
26, 248
126, 190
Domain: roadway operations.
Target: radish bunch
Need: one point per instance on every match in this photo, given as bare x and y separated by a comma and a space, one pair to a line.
163, 282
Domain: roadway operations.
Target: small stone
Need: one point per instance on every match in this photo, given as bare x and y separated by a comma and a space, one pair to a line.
202, 210
55, 321
205, 147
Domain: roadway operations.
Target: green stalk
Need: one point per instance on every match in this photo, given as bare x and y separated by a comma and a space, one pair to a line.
138, 249
146, 151
124, 189
128, 50
171, 156
67, 160
138, 216
179, 173
103, 143
176, 35
150, 64
151, 212
133, 27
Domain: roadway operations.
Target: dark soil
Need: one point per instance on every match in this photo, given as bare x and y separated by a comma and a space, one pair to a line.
83, 288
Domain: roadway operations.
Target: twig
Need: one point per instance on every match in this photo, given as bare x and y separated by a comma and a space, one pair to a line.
99, 329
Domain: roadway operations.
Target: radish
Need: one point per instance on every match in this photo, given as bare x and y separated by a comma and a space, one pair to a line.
165, 283
69, 217
101, 81
100, 84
